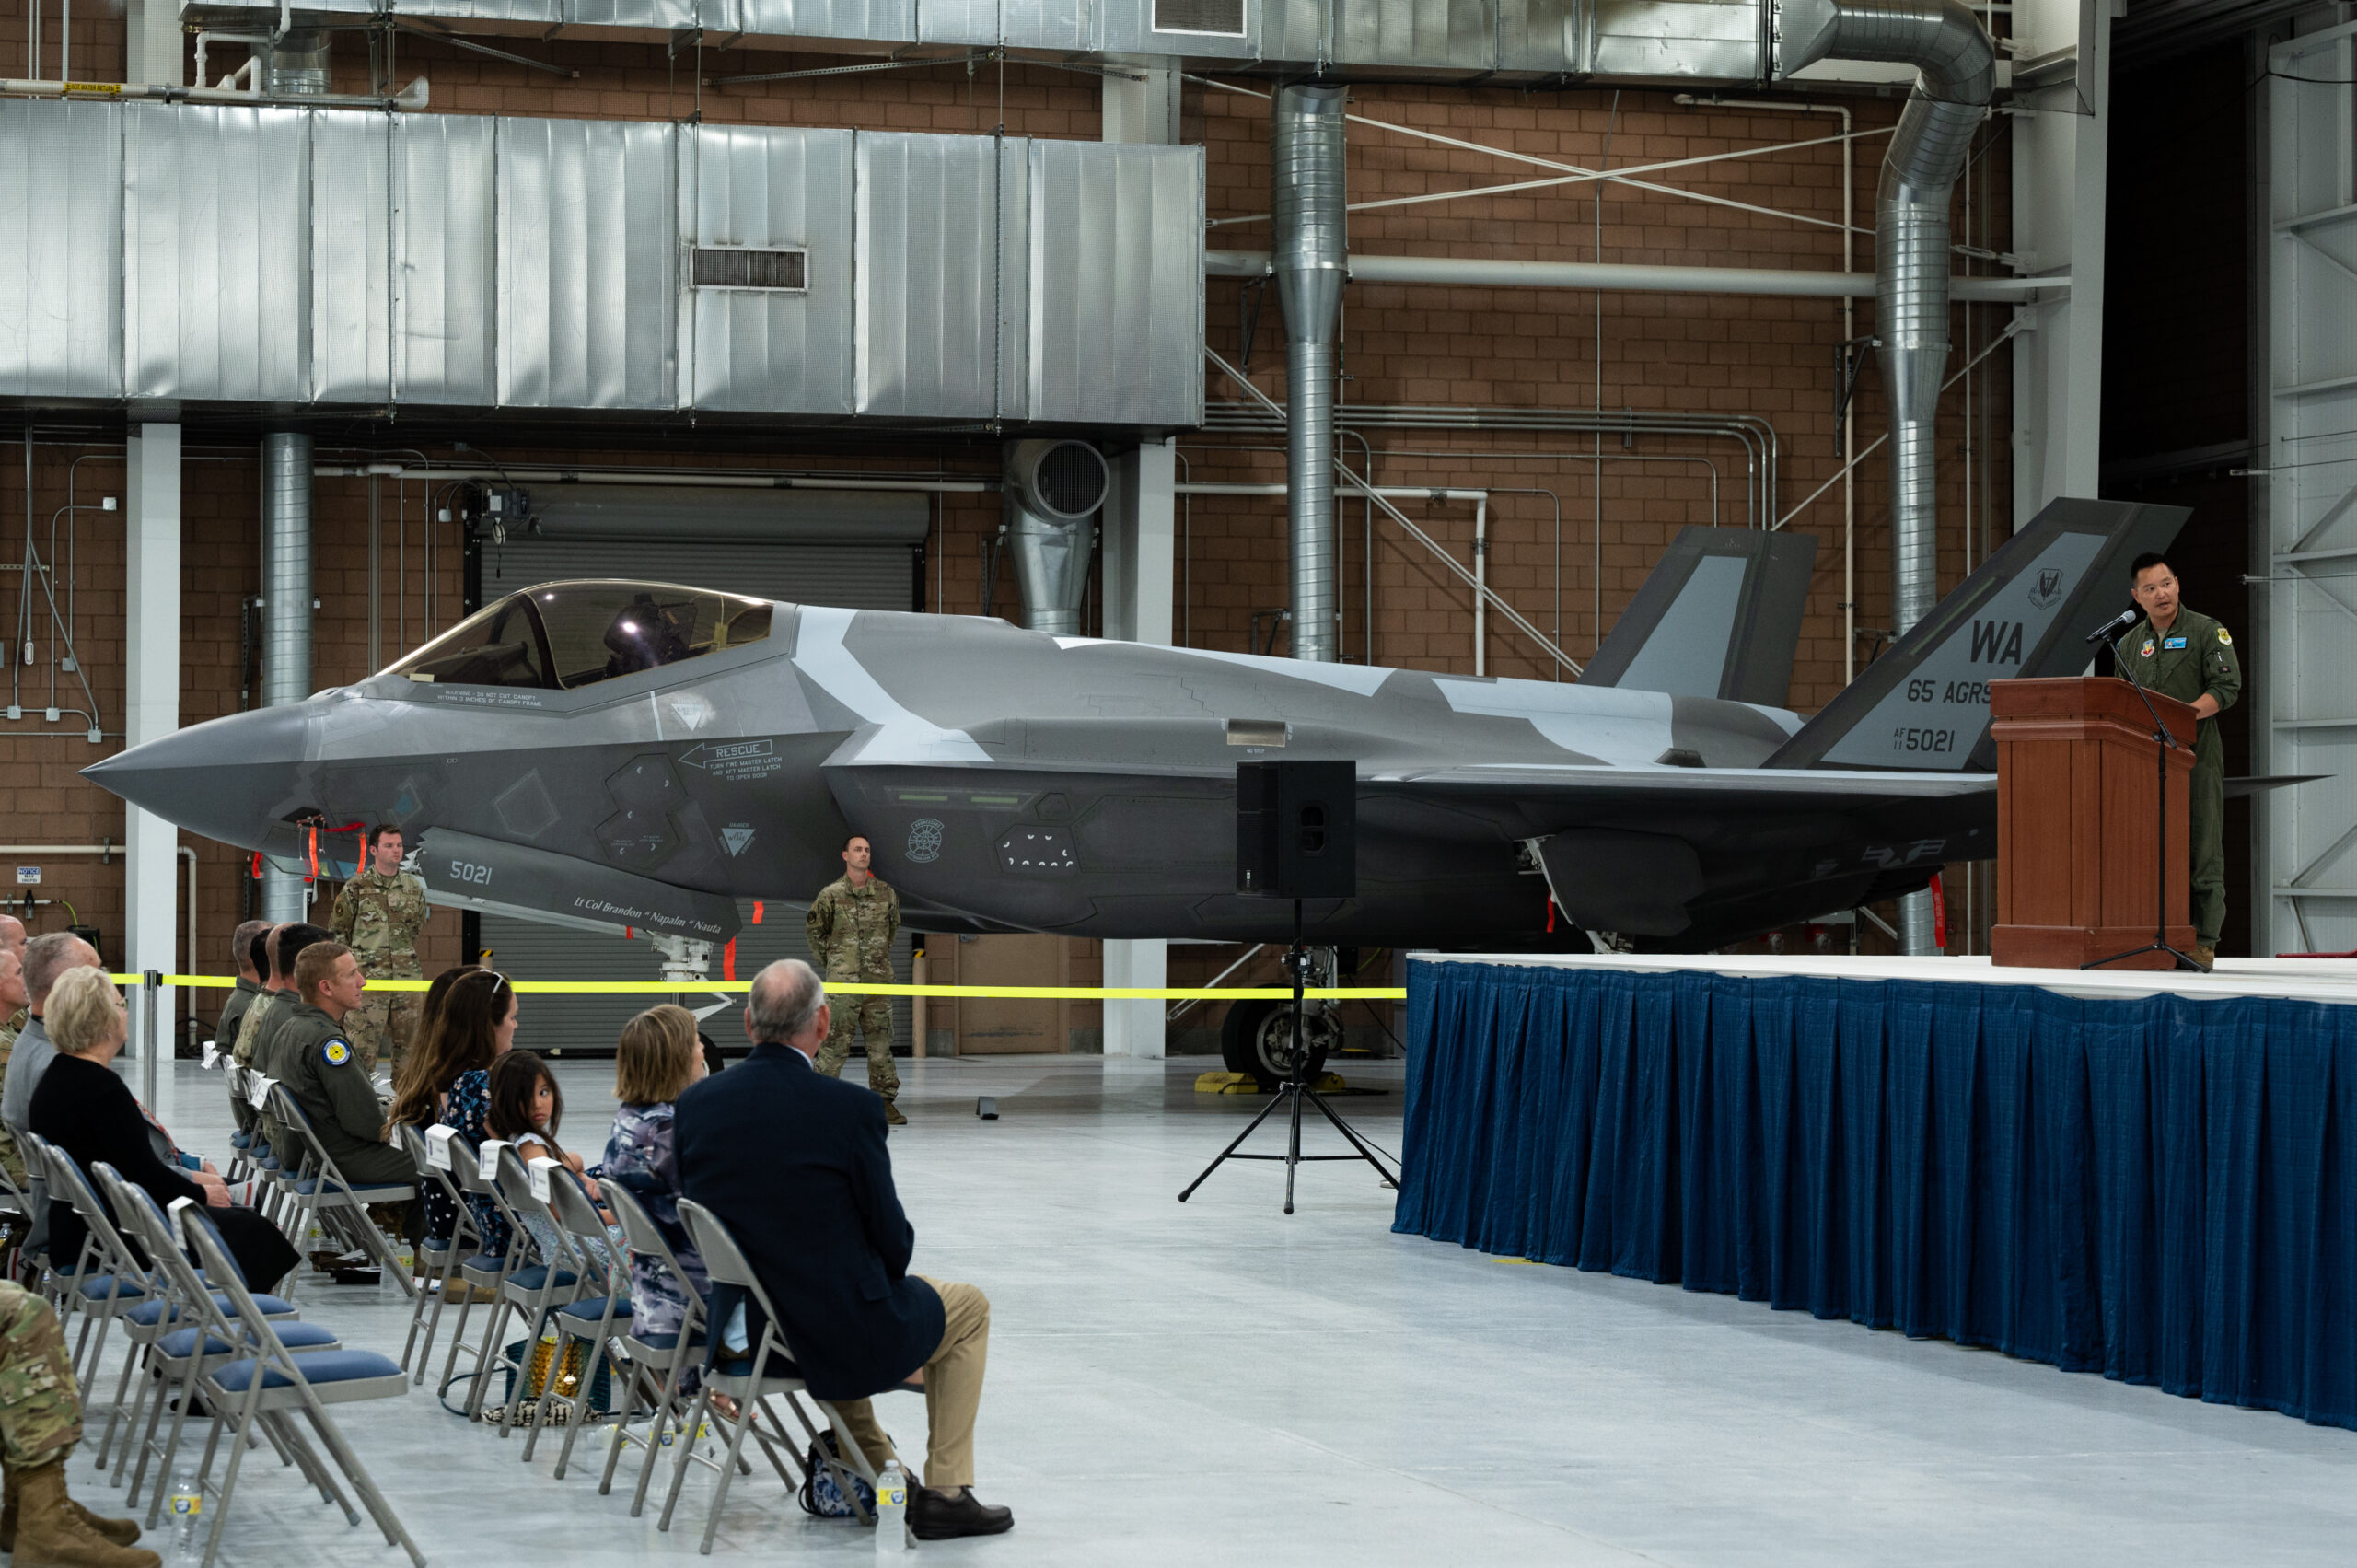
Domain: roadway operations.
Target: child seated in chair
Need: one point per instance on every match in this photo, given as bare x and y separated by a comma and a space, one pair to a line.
526, 1106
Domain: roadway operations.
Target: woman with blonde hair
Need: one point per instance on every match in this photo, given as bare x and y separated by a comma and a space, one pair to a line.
655, 1061
88, 1112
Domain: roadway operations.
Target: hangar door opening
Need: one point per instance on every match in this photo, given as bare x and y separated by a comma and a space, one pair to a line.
857, 550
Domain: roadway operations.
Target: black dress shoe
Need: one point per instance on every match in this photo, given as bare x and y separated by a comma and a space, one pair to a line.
946, 1515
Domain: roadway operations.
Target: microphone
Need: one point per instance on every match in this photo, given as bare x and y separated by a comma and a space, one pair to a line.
2119, 622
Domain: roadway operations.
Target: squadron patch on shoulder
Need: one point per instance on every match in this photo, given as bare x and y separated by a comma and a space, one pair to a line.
2225, 638
336, 1053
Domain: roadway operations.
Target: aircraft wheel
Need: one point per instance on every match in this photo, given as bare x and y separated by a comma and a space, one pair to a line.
1258, 1039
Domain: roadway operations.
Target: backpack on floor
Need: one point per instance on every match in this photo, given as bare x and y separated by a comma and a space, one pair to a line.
820, 1494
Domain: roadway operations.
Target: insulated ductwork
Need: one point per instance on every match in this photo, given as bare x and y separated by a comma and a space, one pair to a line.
299, 65
1956, 68
1310, 260
1053, 489
286, 611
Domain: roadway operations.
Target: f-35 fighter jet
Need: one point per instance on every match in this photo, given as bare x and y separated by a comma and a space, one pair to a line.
638, 754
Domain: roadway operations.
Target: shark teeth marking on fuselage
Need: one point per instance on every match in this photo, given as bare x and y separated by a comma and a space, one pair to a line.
1624, 728
899, 736
1361, 679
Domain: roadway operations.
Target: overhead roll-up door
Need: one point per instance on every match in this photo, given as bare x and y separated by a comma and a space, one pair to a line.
860, 549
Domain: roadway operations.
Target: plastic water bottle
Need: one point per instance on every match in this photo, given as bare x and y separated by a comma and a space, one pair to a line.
187, 1505
892, 1509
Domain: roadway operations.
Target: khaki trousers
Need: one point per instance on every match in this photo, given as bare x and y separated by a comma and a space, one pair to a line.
953, 1392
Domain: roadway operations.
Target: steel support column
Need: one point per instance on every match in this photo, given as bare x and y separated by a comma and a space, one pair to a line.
151, 693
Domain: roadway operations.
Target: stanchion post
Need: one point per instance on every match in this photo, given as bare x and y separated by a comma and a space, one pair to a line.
151, 986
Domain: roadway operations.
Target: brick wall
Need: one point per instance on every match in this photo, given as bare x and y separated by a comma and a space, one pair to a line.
1587, 514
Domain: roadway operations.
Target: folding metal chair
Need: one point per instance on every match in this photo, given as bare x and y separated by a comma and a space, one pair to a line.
169, 1326
536, 1289
270, 1384
483, 1272
52, 1279
764, 1370
321, 1189
437, 1256
598, 1317
109, 1278
658, 1362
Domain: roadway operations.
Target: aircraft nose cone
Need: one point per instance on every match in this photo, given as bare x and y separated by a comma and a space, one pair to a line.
232, 779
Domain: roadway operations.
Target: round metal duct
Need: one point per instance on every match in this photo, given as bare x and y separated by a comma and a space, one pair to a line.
1063, 479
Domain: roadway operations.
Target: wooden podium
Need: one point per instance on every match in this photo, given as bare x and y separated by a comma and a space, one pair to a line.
2075, 819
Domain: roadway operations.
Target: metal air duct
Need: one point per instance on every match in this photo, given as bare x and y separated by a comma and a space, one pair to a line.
299, 63
1053, 489
1309, 256
286, 612
1955, 66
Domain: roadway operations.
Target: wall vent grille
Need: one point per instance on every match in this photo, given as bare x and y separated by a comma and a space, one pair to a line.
731, 268
1220, 19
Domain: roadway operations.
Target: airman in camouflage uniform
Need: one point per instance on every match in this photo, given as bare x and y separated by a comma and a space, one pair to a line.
12, 989
2191, 658
41, 1420
852, 924
378, 915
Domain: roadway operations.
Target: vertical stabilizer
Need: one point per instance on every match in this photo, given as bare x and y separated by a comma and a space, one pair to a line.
2024, 613
1719, 617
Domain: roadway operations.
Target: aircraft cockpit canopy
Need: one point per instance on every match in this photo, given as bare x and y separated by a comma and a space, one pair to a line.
561, 637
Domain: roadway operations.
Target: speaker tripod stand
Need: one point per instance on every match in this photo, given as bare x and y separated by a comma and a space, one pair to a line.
1292, 1093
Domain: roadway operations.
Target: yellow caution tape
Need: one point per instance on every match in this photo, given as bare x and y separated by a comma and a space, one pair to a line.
1051, 993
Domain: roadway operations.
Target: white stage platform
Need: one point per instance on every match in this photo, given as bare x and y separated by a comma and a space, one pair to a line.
2310, 980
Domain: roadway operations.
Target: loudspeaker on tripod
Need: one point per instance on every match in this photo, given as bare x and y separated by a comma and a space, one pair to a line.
1296, 830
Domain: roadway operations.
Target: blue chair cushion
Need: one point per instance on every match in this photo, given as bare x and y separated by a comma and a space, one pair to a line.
148, 1313
326, 1367
100, 1287
535, 1277
666, 1341
489, 1262
293, 1336
436, 1246
241, 1140
593, 1309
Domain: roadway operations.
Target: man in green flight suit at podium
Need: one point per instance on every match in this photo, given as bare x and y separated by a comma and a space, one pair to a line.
2185, 655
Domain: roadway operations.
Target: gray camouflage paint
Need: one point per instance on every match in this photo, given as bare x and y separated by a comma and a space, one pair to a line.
1012, 780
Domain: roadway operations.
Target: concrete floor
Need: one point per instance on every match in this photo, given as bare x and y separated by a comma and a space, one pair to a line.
1218, 1383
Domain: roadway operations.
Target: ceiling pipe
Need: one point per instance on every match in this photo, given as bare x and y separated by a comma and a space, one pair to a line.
1481, 273
1956, 71
1308, 259
411, 99
287, 613
298, 63
1053, 492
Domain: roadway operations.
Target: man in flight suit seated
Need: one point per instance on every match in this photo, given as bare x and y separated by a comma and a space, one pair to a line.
2184, 655
323, 1074
251, 963
794, 1164
41, 1420
258, 1036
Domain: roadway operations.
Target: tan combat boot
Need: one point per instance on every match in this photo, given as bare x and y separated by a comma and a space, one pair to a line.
2206, 955
122, 1532
51, 1532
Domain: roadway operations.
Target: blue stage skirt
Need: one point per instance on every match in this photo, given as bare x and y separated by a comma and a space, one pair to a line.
2160, 1190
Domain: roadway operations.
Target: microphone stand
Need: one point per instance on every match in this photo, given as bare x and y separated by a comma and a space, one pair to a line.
2164, 744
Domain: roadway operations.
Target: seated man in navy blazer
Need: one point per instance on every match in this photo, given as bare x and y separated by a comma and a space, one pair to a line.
793, 1162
